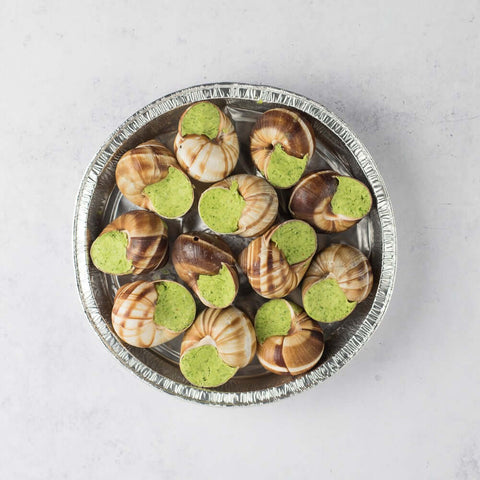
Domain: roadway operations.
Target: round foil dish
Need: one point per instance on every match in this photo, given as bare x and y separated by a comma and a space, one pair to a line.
99, 202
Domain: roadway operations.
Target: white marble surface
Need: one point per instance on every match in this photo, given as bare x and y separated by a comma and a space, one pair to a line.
404, 76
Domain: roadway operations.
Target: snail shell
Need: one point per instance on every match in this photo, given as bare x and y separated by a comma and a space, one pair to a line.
261, 203
199, 253
147, 247
347, 265
133, 313
282, 126
229, 330
310, 201
298, 351
267, 269
144, 165
205, 159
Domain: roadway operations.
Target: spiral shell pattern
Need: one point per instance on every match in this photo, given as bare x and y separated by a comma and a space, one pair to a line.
204, 159
310, 201
144, 165
261, 203
282, 126
199, 253
298, 351
133, 313
267, 269
347, 265
147, 239
229, 330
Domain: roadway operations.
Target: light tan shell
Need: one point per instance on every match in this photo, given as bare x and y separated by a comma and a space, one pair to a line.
267, 269
144, 165
310, 201
133, 313
229, 330
261, 203
282, 126
199, 253
298, 351
147, 233
204, 159
347, 265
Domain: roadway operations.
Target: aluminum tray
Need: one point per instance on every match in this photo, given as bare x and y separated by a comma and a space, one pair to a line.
99, 202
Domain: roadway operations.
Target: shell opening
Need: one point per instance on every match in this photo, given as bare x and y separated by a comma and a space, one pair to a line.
296, 239
175, 307
273, 318
203, 366
172, 196
201, 119
221, 208
109, 253
284, 170
218, 290
325, 301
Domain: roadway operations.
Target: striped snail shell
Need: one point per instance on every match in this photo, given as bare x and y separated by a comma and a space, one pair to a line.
144, 165
311, 201
284, 127
267, 269
199, 253
347, 265
133, 316
147, 235
298, 351
204, 159
261, 203
229, 330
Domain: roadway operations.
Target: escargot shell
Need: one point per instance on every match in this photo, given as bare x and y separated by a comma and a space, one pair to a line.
229, 330
199, 253
144, 165
204, 159
147, 247
347, 265
267, 269
298, 351
282, 126
310, 201
133, 313
261, 203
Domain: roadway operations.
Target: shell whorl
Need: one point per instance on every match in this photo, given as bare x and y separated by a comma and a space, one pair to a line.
204, 159
147, 247
310, 201
133, 313
144, 165
199, 253
229, 330
261, 203
267, 269
282, 126
298, 351
347, 265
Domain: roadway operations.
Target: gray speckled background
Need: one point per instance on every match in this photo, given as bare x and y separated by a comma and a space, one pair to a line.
405, 76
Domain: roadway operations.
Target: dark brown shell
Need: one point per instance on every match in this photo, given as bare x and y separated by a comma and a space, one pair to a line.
282, 126
298, 351
147, 239
267, 269
347, 265
310, 201
144, 165
199, 253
